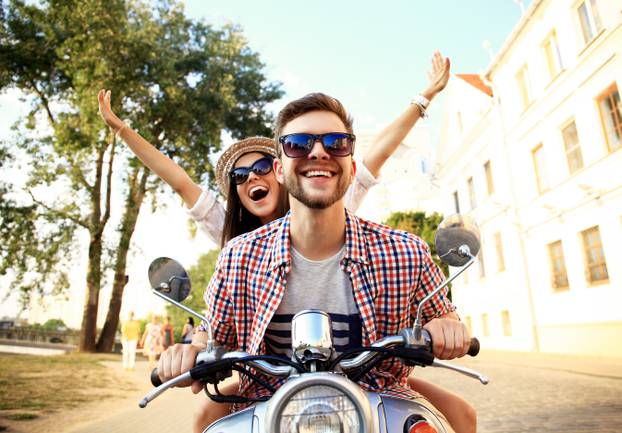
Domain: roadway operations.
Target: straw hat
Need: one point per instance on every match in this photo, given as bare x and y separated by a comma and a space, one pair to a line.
234, 152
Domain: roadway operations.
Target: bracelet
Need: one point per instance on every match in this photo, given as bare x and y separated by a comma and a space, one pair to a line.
117, 134
422, 104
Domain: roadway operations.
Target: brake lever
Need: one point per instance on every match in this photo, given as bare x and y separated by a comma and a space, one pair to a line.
154, 393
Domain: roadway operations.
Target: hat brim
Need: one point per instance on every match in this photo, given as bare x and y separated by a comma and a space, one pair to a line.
229, 157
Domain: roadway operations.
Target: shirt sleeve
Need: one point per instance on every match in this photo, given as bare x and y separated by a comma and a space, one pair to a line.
430, 276
220, 308
209, 214
363, 181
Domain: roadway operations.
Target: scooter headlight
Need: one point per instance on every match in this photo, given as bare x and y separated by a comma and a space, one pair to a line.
320, 409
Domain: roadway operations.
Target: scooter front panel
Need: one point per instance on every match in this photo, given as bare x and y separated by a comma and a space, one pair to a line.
239, 422
397, 411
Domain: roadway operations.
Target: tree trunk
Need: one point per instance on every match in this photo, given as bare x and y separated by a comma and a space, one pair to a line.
88, 332
133, 203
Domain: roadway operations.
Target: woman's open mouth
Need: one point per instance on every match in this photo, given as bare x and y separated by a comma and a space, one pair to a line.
258, 192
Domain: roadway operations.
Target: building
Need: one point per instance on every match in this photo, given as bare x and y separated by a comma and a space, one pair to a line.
532, 150
404, 182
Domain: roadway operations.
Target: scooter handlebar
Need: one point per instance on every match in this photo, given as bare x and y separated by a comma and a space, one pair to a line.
155, 379
474, 347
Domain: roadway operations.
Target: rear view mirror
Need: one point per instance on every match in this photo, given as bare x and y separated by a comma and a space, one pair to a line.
454, 234
169, 278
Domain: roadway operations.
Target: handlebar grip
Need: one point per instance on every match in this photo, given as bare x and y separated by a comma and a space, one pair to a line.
474, 347
155, 379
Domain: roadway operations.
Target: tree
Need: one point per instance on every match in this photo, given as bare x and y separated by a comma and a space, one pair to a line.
422, 225
182, 83
54, 325
200, 274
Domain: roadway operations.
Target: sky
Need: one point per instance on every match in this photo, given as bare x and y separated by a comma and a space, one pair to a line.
372, 55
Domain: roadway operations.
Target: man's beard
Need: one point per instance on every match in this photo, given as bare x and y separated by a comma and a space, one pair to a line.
292, 183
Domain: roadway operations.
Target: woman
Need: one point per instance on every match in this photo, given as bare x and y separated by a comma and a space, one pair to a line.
187, 331
152, 340
254, 197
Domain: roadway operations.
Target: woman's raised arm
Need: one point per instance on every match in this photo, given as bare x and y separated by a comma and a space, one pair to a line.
390, 138
171, 173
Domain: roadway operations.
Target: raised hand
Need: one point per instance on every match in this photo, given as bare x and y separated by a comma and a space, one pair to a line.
438, 76
111, 119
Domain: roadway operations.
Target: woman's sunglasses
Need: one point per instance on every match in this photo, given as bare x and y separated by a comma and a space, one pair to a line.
300, 144
261, 167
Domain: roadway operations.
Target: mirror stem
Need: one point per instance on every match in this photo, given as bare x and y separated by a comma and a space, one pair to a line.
464, 251
210, 339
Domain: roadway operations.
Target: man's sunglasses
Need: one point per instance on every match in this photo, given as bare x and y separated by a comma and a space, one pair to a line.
300, 144
261, 167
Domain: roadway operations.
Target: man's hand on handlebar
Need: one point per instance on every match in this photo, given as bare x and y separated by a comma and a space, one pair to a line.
450, 337
179, 359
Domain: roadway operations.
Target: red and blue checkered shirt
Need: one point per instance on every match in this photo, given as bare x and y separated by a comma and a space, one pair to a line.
390, 271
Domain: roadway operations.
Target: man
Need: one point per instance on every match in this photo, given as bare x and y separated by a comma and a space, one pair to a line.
321, 256
130, 332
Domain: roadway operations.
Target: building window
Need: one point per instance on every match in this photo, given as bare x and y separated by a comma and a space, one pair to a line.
499, 248
559, 277
489, 184
456, 202
468, 324
596, 267
572, 146
553, 57
537, 155
480, 260
471, 187
485, 329
611, 115
522, 78
589, 19
507, 325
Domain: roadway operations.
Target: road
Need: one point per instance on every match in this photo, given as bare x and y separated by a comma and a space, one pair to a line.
527, 392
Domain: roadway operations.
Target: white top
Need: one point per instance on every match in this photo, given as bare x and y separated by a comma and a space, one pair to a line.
209, 213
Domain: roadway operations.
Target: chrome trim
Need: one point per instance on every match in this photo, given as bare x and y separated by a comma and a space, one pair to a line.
417, 325
312, 336
349, 364
208, 328
466, 371
160, 389
295, 384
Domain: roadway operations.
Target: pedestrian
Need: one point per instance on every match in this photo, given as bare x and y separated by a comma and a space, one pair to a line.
152, 340
130, 332
167, 330
187, 331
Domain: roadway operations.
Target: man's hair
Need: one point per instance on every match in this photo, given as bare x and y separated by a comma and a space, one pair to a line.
311, 102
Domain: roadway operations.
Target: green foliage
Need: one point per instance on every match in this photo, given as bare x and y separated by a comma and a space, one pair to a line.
54, 325
179, 82
421, 225
200, 274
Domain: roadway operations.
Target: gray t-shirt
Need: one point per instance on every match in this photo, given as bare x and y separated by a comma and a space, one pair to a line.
320, 285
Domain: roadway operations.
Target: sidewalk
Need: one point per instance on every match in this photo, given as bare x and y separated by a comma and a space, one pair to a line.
170, 412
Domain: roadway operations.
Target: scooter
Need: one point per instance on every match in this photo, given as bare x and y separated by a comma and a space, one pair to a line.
320, 393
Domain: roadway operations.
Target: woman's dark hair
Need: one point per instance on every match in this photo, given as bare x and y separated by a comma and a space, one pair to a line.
191, 321
238, 220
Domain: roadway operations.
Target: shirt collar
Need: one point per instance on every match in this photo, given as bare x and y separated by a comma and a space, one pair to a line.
356, 248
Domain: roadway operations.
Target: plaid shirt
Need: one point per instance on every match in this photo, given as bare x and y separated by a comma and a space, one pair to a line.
390, 271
